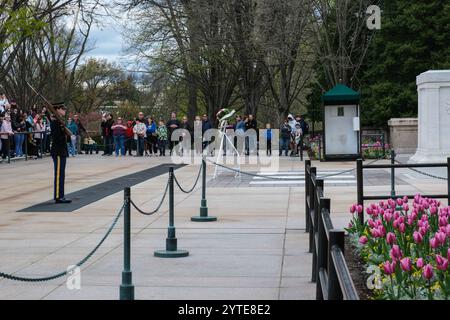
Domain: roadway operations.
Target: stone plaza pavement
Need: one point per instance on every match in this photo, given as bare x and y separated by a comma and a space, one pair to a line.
256, 250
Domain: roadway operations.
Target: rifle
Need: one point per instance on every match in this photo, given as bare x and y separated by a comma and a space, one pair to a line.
52, 110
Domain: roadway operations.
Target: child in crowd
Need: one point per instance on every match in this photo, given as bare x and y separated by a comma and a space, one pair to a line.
38, 135
162, 135
268, 139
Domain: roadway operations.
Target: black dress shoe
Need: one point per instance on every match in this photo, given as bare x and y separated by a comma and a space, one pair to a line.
63, 200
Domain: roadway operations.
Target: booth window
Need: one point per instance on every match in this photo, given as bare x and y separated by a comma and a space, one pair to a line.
340, 111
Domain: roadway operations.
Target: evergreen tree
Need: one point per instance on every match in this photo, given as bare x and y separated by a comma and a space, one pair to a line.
414, 38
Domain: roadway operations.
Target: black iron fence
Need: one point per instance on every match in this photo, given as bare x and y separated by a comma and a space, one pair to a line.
360, 167
329, 268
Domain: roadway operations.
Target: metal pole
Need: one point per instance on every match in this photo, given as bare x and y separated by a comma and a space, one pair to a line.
360, 186
337, 238
9, 149
307, 178
127, 287
25, 135
322, 247
203, 205
171, 250
392, 174
312, 195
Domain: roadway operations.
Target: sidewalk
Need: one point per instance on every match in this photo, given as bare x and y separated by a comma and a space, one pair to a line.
256, 250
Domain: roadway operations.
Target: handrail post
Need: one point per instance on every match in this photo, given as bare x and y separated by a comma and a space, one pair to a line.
312, 192
127, 287
203, 205
393, 173
325, 205
360, 187
317, 215
337, 238
307, 178
171, 250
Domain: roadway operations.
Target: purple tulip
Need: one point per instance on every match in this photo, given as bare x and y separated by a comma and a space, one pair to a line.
395, 252
405, 264
418, 238
363, 240
389, 267
420, 263
428, 272
441, 263
390, 238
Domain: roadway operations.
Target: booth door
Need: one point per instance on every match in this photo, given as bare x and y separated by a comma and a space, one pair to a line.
340, 136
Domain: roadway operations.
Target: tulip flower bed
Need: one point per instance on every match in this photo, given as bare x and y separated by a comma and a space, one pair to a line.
405, 244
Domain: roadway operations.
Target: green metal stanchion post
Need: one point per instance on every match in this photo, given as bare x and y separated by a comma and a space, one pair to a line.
171, 241
127, 287
203, 206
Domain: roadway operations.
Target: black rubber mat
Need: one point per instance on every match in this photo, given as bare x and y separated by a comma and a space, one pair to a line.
92, 194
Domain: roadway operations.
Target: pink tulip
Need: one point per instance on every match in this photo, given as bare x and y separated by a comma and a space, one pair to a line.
405, 199
418, 238
350, 225
447, 230
443, 221
390, 238
399, 202
441, 263
405, 207
434, 243
371, 223
448, 254
387, 216
433, 210
395, 252
391, 203
359, 209
428, 272
405, 264
396, 215
420, 263
422, 231
369, 211
363, 240
353, 209
381, 231
440, 237
389, 267
374, 233
402, 228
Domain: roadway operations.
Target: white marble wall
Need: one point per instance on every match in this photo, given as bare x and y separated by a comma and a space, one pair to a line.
434, 117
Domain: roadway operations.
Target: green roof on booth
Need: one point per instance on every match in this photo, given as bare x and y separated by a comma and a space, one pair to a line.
341, 94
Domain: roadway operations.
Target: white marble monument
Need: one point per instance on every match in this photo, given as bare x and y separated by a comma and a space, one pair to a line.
434, 117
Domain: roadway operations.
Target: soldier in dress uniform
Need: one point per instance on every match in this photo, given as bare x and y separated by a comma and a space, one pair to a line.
59, 153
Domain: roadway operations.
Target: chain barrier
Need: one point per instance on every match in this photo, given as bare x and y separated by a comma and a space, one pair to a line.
424, 173
157, 208
286, 179
195, 183
79, 264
